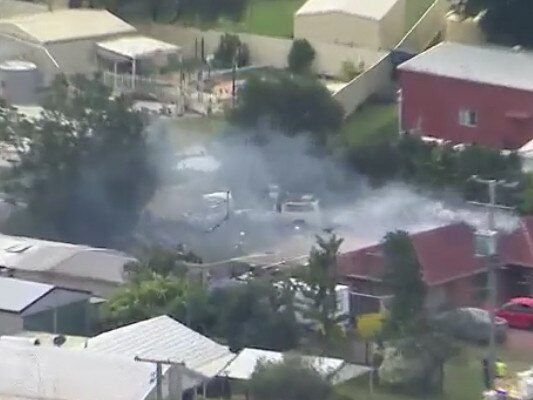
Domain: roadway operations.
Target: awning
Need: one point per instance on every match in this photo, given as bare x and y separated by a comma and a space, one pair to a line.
137, 47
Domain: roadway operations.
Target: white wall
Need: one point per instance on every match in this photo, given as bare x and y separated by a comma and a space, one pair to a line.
10, 323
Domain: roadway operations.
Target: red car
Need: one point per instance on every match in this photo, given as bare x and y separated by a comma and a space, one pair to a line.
518, 312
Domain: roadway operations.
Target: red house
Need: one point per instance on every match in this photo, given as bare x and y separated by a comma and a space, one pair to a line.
469, 94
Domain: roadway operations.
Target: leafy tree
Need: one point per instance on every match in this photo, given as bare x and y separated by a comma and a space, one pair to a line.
403, 277
505, 21
301, 56
291, 379
255, 314
163, 262
84, 167
231, 51
290, 104
152, 296
320, 295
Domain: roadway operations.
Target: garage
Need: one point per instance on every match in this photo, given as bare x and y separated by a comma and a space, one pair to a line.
374, 24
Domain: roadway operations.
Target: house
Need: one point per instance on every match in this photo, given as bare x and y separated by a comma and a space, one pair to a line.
32, 372
376, 24
34, 306
469, 94
335, 369
165, 339
79, 41
449, 267
98, 271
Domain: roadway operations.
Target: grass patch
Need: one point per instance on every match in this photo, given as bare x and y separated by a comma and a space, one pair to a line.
189, 131
263, 17
373, 123
414, 9
462, 379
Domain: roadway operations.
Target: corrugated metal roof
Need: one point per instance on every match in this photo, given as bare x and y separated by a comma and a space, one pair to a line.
137, 46
243, 366
28, 254
163, 338
483, 64
17, 294
66, 25
373, 9
50, 373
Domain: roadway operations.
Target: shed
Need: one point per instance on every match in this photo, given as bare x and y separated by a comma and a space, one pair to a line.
374, 24
26, 305
51, 373
243, 366
165, 339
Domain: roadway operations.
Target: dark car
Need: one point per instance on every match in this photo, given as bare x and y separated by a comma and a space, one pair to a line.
518, 312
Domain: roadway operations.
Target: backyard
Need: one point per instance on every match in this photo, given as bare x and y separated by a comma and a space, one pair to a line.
463, 376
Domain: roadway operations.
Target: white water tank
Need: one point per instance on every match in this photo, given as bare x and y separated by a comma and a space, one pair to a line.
18, 81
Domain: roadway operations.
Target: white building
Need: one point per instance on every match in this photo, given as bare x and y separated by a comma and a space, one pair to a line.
164, 339
26, 305
374, 24
32, 372
99, 271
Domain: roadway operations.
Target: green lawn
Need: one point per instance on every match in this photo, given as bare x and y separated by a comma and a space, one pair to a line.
373, 122
414, 9
263, 17
463, 378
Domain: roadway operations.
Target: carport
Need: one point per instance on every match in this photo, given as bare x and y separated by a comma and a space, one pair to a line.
134, 49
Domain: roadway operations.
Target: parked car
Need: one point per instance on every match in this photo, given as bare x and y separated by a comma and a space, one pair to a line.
471, 324
518, 312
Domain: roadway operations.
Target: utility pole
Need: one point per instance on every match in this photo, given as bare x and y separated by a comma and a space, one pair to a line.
493, 261
159, 374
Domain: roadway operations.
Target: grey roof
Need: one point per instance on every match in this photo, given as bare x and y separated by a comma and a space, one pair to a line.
163, 338
28, 254
483, 64
17, 294
51, 373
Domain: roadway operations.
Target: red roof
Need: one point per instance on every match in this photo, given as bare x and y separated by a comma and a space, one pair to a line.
517, 247
445, 253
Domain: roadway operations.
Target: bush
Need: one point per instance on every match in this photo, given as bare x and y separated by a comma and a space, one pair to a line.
348, 71
301, 57
231, 50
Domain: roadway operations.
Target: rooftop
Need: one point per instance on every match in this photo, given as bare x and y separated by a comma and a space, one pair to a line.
372, 9
16, 294
490, 65
133, 47
28, 254
49, 373
12, 8
163, 338
65, 25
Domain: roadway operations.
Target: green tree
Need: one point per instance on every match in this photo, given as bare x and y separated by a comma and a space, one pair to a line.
320, 304
505, 21
301, 57
291, 104
403, 277
152, 296
84, 167
255, 314
291, 379
231, 51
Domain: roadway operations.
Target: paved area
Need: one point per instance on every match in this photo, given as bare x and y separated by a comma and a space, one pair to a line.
519, 345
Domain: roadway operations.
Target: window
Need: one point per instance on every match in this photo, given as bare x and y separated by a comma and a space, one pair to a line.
467, 118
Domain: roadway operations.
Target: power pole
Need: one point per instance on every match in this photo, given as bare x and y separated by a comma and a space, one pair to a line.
159, 374
493, 262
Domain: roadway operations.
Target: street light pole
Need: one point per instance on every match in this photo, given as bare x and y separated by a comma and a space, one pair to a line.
493, 262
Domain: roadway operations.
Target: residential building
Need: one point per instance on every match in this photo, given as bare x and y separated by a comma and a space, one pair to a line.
32, 372
469, 94
34, 306
98, 271
449, 267
376, 24
80, 41
166, 340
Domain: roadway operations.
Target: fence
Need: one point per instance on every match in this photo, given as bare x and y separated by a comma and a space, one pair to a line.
427, 28
264, 50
